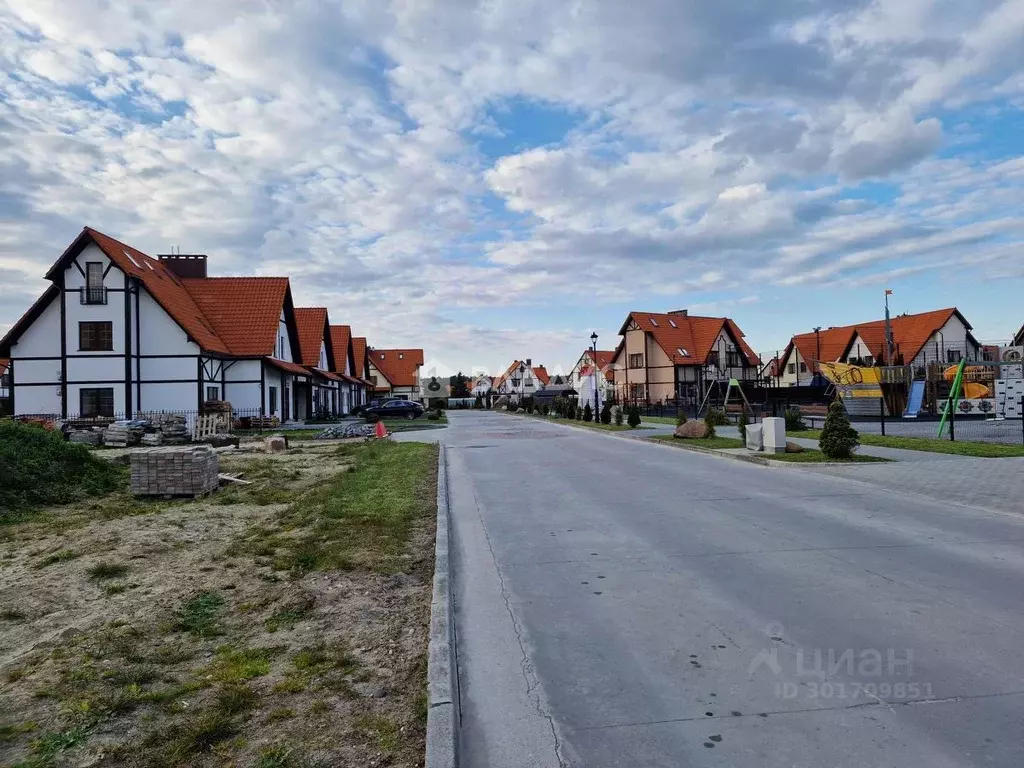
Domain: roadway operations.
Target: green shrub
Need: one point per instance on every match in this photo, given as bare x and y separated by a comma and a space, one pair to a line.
838, 437
38, 467
743, 426
545, 409
588, 413
680, 418
618, 416
709, 420
794, 420
606, 413
716, 417
634, 417
570, 410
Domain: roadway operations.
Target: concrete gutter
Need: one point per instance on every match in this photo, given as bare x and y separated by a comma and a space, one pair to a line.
443, 714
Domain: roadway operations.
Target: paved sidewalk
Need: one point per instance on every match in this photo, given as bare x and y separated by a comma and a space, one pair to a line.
990, 483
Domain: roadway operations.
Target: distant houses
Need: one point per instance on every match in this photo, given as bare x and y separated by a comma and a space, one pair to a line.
940, 336
678, 357
119, 332
396, 372
521, 379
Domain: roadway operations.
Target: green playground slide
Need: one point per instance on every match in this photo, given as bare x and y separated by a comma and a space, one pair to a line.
954, 397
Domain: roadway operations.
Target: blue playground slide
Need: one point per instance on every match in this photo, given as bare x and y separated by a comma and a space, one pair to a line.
915, 400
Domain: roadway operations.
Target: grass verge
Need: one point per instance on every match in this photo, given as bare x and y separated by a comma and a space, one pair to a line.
716, 443
273, 632
811, 456
932, 445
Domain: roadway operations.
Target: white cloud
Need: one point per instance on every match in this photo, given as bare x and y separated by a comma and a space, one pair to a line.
336, 142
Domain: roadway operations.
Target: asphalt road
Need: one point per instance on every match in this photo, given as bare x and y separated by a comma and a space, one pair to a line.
627, 604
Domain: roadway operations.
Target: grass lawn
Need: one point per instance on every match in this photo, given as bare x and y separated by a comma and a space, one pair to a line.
282, 623
716, 443
811, 456
658, 420
933, 445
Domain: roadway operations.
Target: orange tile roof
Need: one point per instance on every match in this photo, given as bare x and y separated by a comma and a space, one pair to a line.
163, 285
542, 375
909, 335
833, 341
359, 356
3, 366
245, 311
693, 334
288, 367
399, 366
605, 359
341, 337
911, 332
311, 323
326, 374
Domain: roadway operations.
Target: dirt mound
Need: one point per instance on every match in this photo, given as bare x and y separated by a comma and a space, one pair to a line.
38, 468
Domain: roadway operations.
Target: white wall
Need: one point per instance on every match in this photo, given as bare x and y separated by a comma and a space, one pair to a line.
242, 384
166, 397
41, 339
952, 336
36, 400
861, 350
283, 346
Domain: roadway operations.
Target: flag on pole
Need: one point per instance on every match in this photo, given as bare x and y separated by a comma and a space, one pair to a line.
888, 292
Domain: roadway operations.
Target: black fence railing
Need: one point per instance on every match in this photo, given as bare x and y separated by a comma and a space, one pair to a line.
238, 420
93, 295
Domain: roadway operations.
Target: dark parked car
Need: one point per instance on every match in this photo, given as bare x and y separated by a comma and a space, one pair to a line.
395, 409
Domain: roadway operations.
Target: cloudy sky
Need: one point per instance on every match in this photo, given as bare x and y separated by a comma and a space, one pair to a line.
495, 179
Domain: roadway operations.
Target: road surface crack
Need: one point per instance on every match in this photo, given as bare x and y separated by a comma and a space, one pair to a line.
533, 687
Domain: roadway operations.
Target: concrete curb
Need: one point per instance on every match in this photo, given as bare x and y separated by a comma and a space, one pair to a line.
443, 714
764, 461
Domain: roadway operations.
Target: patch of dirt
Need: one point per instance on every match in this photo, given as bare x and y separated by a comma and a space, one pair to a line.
159, 633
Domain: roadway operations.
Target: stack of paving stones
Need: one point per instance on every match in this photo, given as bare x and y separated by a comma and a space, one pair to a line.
172, 427
122, 434
347, 430
92, 436
151, 439
175, 471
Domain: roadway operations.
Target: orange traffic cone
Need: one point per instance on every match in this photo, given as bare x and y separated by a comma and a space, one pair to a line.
381, 431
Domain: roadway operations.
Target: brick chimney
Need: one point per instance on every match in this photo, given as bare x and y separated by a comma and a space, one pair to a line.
529, 363
683, 312
186, 265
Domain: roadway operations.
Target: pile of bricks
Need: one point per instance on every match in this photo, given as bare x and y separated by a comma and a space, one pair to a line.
188, 471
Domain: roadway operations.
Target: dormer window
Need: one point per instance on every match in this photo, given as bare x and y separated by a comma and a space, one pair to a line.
94, 292
400, 356
654, 322
672, 323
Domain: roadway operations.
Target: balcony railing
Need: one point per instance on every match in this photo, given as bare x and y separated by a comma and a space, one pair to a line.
94, 295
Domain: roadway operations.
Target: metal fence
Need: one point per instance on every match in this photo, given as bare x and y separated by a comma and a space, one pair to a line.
962, 425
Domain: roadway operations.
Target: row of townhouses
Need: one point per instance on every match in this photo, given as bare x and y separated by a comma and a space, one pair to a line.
678, 357
118, 332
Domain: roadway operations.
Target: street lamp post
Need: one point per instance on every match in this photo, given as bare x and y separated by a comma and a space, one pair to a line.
593, 349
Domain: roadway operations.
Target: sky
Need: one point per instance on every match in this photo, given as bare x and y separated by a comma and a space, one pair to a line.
495, 180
